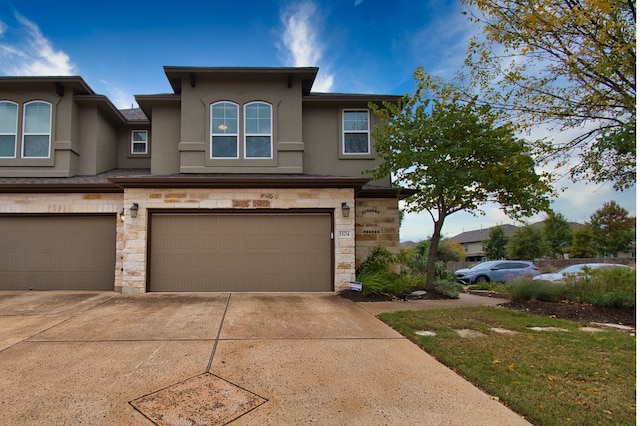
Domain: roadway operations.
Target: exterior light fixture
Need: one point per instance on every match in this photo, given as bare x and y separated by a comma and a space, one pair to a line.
134, 210
122, 216
345, 210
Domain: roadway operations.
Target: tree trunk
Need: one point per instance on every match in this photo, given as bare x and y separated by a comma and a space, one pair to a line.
433, 255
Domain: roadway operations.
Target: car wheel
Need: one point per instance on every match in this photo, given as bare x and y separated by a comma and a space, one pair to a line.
482, 279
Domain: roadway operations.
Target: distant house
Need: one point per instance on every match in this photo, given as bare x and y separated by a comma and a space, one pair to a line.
474, 241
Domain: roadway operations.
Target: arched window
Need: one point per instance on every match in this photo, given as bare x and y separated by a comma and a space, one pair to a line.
257, 130
224, 130
8, 128
36, 135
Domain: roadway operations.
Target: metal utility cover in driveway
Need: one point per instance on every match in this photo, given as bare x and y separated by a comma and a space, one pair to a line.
204, 399
241, 252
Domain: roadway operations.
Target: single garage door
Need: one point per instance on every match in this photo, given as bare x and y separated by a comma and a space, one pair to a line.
61, 252
268, 252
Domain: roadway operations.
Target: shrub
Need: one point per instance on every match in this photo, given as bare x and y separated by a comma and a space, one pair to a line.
410, 279
379, 260
609, 287
417, 263
375, 276
443, 274
490, 286
380, 282
448, 288
544, 291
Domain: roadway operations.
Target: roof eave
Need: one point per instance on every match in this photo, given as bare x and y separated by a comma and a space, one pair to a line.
59, 188
239, 182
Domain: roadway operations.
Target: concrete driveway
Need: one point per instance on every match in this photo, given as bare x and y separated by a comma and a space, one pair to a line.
105, 358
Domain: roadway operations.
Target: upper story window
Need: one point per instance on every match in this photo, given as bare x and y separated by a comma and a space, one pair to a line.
36, 135
355, 128
257, 130
8, 128
139, 142
224, 130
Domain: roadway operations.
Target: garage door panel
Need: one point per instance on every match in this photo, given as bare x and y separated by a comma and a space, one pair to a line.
240, 252
62, 252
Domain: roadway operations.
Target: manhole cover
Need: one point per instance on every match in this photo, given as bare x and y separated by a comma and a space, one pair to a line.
202, 400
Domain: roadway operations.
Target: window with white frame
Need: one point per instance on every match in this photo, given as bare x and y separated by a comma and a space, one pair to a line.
8, 129
257, 130
355, 128
139, 142
224, 130
36, 135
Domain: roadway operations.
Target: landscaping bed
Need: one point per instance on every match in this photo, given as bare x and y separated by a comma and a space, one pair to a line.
569, 311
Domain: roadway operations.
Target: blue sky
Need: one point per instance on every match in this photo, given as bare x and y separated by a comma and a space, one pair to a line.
361, 46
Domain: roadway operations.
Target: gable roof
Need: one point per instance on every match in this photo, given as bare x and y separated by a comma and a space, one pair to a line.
481, 234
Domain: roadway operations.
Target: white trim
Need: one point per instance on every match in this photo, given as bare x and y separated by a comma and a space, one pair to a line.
24, 133
212, 134
247, 134
368, 132
15, 133
145, 142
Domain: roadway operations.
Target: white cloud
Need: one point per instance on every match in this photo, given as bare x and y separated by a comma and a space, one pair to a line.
302, 25
441, 46
33, 54
120, 98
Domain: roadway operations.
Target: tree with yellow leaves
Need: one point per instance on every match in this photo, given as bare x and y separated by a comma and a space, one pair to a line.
568, 65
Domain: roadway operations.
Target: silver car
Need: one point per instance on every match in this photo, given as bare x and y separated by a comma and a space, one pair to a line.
497, 270
561, 275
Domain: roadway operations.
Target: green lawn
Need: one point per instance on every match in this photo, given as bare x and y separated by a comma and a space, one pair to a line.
550, 378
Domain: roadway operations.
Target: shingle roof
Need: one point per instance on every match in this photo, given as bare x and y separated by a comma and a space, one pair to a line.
481, 234
133, 114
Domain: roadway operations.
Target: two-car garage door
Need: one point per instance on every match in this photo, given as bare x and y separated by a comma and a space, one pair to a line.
186, 252
240, 252
57, 252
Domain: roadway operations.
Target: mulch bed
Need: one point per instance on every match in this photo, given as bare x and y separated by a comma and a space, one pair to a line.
563, 310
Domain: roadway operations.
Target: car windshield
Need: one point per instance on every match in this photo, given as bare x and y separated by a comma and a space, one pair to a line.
484, 265
571, 269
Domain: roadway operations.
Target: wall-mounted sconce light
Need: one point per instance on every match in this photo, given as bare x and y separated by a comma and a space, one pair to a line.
122, 216
134, 210
345, 210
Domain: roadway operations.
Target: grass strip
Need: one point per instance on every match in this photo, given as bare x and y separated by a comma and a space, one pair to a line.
551, 378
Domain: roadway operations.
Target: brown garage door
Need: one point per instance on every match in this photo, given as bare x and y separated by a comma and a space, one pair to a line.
63, 252
241, 252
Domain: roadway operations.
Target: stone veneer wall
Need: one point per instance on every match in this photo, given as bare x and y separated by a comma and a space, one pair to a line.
134, 252
377, 224
91, 203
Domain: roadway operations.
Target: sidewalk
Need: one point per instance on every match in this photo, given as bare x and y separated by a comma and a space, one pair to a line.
376, 308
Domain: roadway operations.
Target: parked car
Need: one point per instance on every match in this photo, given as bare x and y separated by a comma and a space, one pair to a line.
497, 270
561, 275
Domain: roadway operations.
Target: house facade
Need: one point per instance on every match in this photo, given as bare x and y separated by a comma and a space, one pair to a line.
474, 242
240, 179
